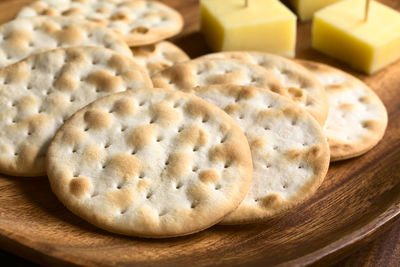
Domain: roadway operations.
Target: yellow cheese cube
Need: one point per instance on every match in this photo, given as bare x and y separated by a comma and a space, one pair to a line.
265, 25
340, 31
305, 9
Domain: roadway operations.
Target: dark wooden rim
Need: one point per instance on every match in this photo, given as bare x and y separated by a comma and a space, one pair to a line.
347, 242
26, 248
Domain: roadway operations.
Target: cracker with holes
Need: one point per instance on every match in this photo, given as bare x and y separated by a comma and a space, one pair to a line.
140, 22
289, 150
150, 163
203, 72
38, 94
27, 36
357, 118
156, 57
301, 85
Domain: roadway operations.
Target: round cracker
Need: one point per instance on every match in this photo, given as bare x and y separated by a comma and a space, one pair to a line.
139, 22
40, 92
203, 72
357, 118
151, 163
289, 150
159, 56
23, 37
300, 85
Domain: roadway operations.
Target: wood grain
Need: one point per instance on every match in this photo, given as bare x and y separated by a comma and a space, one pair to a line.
357, 200
384, 251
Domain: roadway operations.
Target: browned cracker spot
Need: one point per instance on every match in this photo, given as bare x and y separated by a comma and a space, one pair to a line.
156, 57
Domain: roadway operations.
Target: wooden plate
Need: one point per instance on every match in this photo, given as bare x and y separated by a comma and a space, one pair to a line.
358, 198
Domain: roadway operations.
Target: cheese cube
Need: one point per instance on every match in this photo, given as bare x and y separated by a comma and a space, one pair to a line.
340, 31
305, 9
265, 25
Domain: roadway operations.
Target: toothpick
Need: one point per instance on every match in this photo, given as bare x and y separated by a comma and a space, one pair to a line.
246, 3
367, 2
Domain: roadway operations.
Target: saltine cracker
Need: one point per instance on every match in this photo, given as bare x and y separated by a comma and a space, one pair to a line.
203, 72
139, 22
39, 93
151, 163
289, 150
23, 37
357, 118
301, 85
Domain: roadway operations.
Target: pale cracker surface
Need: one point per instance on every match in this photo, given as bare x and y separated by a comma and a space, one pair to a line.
38, 94
159, 56
289, 150
203, 72
357, 118
301, 86
140, 22
23, 37
151, 163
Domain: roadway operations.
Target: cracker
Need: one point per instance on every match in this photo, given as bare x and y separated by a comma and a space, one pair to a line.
203, 72
39, 93
156, 57
289, 150
302, 87
151, 163
26, 36
357, 118
140, 22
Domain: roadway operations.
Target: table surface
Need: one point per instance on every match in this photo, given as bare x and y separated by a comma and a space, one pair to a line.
384, 250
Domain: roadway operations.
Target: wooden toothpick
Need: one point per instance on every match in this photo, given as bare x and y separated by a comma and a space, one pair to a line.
246, 3
367, 2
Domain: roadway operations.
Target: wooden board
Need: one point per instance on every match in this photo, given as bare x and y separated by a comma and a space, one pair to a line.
359, 198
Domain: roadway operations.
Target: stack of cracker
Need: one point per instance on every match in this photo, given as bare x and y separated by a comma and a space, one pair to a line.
153, 144
140, 24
